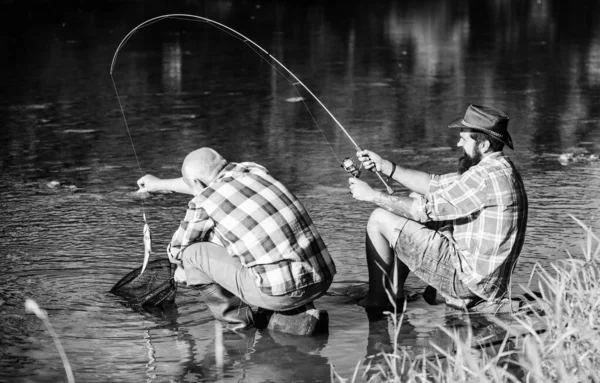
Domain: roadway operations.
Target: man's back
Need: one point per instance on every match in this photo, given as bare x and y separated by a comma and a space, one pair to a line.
256, 218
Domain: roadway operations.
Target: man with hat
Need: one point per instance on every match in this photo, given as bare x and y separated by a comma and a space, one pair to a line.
461, 233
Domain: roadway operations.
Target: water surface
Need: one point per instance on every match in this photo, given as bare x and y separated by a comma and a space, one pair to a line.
393, 76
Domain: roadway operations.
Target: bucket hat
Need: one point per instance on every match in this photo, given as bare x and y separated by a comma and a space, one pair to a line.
485, 119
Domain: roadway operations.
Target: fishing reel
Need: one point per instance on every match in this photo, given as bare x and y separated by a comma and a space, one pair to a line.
350, 167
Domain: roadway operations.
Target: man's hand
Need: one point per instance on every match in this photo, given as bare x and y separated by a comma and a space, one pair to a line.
370, 160
361, 190
148, 183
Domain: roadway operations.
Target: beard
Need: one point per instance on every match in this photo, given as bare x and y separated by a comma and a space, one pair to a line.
465, 162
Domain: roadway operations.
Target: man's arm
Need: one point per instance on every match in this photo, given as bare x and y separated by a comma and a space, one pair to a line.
458, 199
415, 180
150, 183
400, 205
405, 206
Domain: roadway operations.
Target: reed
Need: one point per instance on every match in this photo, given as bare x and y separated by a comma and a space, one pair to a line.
32, 307
566, 350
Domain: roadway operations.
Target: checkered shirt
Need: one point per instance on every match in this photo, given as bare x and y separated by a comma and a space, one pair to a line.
259, 220
487, 208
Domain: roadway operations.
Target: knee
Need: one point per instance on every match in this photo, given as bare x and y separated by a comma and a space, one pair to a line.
378, 221
383, 223
374, 219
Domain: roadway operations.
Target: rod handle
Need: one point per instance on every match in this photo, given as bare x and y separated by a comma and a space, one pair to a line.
389, 189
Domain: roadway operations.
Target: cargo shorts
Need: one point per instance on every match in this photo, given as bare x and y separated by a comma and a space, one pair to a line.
433, 257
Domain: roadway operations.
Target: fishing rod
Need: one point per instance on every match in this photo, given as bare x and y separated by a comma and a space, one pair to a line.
262, 53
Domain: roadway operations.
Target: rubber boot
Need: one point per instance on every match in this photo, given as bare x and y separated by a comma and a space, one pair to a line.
226, 306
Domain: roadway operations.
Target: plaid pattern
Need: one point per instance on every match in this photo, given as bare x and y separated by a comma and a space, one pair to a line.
257, 219
487, 206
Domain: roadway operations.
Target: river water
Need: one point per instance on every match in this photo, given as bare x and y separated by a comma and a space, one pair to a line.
393, 75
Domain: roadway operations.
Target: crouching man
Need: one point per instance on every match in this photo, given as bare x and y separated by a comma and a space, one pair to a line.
245, 240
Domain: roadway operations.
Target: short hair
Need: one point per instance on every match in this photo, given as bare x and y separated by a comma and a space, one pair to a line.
495, 145
204, 163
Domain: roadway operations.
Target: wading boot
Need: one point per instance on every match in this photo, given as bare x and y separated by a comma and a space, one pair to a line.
226, 306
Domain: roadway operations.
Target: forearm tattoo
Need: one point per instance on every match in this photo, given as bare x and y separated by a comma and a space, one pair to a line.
399, 205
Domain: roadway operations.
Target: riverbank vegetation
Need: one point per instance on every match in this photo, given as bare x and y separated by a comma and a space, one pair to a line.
553, 338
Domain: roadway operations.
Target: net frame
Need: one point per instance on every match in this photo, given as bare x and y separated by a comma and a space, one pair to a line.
155, 288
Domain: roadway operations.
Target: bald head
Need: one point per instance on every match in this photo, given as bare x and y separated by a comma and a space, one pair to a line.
203, 164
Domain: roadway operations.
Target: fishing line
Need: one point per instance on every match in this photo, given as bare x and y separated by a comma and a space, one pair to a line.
127, 126
299, 94
288, 75
147, 234
130, 140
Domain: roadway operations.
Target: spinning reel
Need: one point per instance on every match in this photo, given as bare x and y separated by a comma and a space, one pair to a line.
350, 167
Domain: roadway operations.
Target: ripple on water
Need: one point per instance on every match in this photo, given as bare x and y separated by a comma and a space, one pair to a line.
95, 327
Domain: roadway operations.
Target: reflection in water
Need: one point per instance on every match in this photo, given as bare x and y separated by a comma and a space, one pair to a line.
393, 73
171, 62
253, 355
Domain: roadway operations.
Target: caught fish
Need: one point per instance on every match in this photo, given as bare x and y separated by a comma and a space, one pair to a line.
147, 246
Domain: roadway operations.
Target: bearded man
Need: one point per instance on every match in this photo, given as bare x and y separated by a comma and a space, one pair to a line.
461, 233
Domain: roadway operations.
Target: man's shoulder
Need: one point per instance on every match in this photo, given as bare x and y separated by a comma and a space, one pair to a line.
244, 178
251, 167
500, 174
238, 171
498, 165
495, 159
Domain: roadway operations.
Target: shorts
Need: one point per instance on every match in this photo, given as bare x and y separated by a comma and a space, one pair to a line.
432, 257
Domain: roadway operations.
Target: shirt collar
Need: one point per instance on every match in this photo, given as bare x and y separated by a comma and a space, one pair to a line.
491, 157
229, 167
223, 173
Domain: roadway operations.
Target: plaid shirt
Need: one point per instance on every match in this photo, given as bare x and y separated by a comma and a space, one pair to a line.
487, 207
258, 220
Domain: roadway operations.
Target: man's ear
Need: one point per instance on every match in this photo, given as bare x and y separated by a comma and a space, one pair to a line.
484, 146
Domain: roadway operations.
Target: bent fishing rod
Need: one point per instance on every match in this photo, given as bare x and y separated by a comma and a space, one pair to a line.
347, 164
